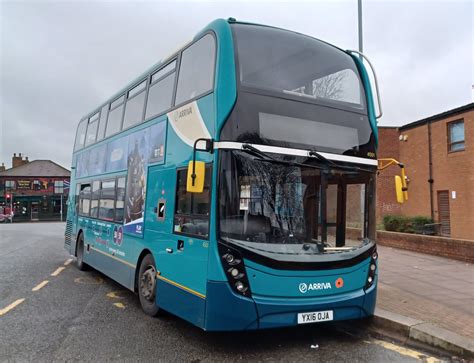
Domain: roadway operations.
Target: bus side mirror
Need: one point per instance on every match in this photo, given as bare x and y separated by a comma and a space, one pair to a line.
196, 175
399, 189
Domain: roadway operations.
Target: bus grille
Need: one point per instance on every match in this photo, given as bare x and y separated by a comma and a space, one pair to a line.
68, 233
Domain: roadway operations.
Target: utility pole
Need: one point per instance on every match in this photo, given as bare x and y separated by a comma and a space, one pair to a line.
359, 13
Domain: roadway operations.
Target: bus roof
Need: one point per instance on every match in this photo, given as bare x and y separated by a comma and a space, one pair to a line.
211, 26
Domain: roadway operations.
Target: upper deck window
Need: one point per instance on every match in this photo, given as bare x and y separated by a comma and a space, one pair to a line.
160, 95
297, 66
102, 122
80, 135
163, 71
134, 106
196, 74
92, 129
115, 117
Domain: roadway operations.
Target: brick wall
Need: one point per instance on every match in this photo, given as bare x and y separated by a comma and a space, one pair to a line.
452, 171
414, 153
458, 249
386, 196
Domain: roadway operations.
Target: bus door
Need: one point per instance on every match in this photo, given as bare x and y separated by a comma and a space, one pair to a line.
177, 223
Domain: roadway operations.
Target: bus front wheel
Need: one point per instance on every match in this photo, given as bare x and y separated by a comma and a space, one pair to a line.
81, 265
147, 285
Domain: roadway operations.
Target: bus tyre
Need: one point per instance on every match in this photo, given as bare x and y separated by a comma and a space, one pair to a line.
81, 265
147, 285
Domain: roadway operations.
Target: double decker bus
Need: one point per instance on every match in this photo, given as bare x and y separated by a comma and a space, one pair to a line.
233, 184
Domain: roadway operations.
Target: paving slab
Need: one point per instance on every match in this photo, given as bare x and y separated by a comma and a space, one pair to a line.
426, 299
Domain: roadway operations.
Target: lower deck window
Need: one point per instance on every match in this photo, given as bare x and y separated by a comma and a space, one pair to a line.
192, 209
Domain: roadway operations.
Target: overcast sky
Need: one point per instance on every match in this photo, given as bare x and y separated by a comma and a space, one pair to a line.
62, 59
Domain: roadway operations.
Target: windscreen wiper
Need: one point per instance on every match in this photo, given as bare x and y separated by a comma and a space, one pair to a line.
320, 157
327, 163
249, 149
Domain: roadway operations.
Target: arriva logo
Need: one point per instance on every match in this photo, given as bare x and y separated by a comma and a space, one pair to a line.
314, 286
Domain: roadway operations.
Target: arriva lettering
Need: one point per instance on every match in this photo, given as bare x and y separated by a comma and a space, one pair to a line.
185, 112
304, 287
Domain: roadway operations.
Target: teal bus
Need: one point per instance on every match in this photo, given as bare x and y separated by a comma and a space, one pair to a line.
233, 183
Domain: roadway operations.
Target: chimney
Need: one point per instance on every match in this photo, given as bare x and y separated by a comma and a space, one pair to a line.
18, 160
3, 168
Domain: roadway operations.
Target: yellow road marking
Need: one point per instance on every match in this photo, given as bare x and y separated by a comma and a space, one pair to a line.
68, 261
119, 305
11, 306
40, 285
115, 294
405, 351
58, 271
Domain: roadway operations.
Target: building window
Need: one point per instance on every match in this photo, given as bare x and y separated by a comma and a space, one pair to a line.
9, 184
192, 209
36, 185
58, 187
456, 135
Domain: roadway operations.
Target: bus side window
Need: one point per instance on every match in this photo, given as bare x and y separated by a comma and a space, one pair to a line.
107, 200
192, 209
85, 199
160, 94
95, 199
92, 129
134, 105
102, 122
120, 200
76, 198
114, 121
196, 72
81, 135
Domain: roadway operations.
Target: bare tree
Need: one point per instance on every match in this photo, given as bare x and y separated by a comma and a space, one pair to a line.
329, 86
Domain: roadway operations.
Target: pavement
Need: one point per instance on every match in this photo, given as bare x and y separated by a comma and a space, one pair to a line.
433, 296
51, 311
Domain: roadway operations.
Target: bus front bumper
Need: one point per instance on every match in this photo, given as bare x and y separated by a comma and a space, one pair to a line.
225, 310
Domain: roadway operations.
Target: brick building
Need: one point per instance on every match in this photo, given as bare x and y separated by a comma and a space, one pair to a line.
438, 153
34, 189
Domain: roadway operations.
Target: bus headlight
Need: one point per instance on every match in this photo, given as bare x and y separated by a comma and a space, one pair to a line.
234, 269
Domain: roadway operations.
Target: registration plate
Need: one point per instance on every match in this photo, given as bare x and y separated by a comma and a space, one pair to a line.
304, 318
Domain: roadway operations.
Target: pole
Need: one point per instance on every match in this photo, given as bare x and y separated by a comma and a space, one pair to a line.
11, 207
359, 11
61, 207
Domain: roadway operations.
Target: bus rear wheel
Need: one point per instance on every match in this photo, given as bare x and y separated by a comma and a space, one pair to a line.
147, 286
81, 265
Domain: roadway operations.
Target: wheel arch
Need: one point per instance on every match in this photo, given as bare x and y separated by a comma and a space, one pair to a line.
145, 252
77, 240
